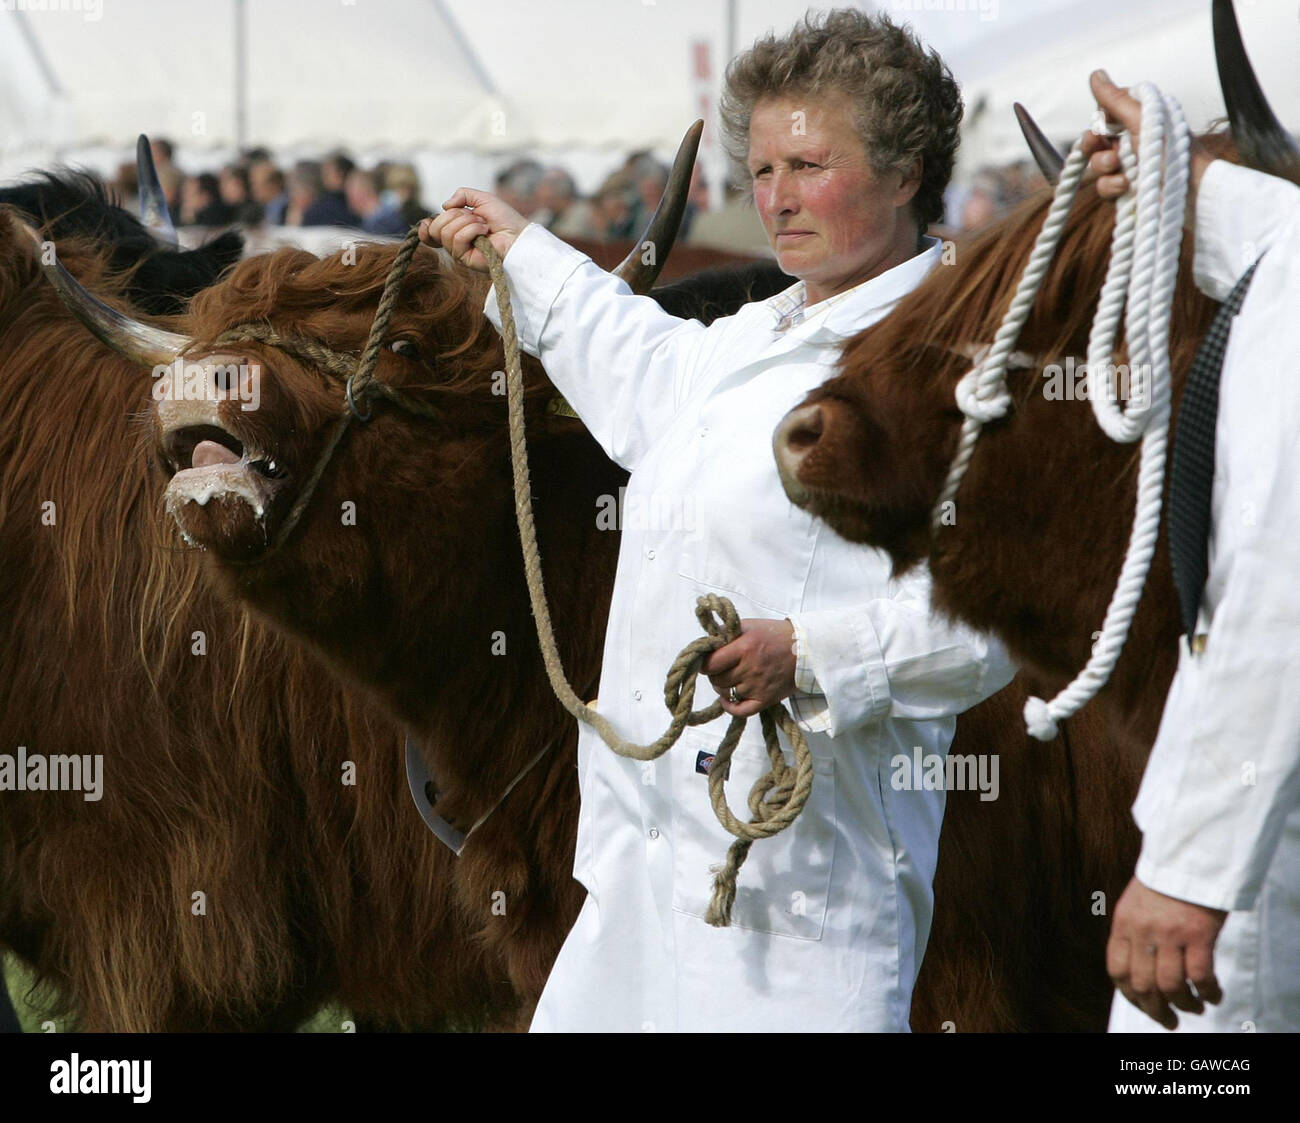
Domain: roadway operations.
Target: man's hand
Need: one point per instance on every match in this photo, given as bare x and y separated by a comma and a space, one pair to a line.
1103, 152
467, 215
1158, 945
759, 663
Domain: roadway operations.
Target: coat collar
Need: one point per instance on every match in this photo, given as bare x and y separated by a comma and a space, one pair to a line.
842, 316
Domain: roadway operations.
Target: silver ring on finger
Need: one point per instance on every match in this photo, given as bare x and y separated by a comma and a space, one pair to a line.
733, 696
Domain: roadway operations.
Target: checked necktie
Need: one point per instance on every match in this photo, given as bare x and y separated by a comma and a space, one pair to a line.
1191, 473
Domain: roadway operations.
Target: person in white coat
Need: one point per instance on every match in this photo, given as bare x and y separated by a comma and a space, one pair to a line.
831, 916
1219, 805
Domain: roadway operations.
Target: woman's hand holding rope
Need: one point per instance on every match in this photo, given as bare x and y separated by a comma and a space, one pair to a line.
759, 665
468, 215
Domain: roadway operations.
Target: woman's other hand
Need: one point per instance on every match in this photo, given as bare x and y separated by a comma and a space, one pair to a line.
759, 663
467, 215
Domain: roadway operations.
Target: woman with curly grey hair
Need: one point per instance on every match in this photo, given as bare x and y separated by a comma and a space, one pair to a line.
846, 129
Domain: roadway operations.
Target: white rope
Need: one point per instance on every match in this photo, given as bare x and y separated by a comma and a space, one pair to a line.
1140, 279
982, 393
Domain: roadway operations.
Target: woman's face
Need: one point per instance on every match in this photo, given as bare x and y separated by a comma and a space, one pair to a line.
831, 219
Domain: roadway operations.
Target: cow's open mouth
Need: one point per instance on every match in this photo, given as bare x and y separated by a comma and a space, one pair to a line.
223, 489
200, 447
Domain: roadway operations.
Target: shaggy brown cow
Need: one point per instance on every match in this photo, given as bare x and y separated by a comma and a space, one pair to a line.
226, 755
161, 278
1044, 512
404, 576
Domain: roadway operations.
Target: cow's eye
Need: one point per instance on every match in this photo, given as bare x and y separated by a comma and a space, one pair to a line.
407, 348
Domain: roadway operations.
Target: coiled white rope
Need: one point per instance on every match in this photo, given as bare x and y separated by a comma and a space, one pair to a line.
1141, 277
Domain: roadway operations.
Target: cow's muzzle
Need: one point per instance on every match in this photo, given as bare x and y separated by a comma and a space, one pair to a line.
795, 438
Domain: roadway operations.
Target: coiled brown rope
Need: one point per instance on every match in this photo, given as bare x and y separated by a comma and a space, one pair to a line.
778, 796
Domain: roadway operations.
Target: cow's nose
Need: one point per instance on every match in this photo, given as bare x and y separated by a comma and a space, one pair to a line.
794, 438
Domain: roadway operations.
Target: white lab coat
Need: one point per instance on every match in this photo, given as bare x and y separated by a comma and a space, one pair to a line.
1219, 805
832, 916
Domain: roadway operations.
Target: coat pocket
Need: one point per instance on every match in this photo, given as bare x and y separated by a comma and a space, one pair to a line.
707, 564
784, 885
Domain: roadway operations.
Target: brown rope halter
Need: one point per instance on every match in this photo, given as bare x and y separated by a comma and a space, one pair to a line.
779, 795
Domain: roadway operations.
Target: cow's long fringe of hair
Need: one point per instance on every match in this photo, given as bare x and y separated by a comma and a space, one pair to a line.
441, 300
224, 753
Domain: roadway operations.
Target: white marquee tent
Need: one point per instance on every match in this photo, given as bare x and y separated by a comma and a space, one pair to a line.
82, 77
1044, 62
460, 86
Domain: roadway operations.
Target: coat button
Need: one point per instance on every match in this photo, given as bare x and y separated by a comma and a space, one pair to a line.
650, 554
637, 695
654, 832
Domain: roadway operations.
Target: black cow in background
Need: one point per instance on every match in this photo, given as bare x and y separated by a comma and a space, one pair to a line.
70, 204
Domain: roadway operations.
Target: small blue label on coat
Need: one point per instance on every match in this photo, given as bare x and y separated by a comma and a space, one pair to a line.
704, 761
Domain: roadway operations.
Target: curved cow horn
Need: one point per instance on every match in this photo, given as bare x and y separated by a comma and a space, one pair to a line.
1049, 160
1261, 140
662, 228
133, 340
153, 200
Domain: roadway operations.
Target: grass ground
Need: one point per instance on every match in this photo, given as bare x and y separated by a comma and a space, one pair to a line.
29, 1006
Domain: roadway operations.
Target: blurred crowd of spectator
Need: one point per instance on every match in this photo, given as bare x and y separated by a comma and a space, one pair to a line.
616, 211
334, 191
385, 199
990, 194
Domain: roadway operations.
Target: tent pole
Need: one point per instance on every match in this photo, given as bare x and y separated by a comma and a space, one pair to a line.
241, 76
471, 58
